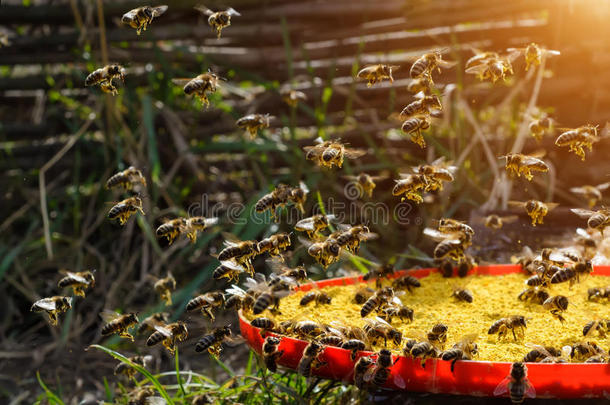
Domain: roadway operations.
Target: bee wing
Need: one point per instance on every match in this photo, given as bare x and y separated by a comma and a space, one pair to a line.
157, 11
578, 190
306, 242
306, 224
446, 63
503, 386
582, 233
603, 186
399, 381
233, 266
366, 71
108, 315
582, 212
235, 290
163, 330
566, 351
531, 160
47, 304
435, 234
128, 16
477, 69
181, 81
303, 187
379, 178
203, 9
211, 221
516, 204
354, 153
551, 52
530, 392
368, 375
350, 178
232, 12
513, 50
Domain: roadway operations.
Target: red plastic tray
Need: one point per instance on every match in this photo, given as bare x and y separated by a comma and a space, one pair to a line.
477, 378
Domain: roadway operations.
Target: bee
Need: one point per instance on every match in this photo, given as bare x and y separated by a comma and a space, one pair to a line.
422, 349
324, 252
578, 139
206, 303
388, 312
377, 73
319, 297
126, 179
379, 374
422, 84
602, 327
598, 293
311, 359
453, 236
298, 274
239, 299
78, 281
585, 350
119, 324
331, 153
533, 54
218, 19
517, 384
518, 164
314, 224
593, 194
598, 358
104, 77
406, 282
381, 297
465, 349
534, 295
213, 341
307, 329
540, 126
254, 123
202, 399
52, 306
200, 86
462, 294
4, 39
269, 296
156, 319
274, 244
130, 372
536, 210
164, 288
351, 237
565, 274
168, 335
421, 106
493, 68
171, 229
599, 219
450, 225
270, 353
125, 209
428, 63
465, 264
514, 323
354, 345
264, 324
293, 97
378, 329
143, 396
365, 183
539, 354
496, 222
480, 57
449, 248
414, 127
438, 335
436, 173
139, 18
197, 224
556, 305
363, 294
360, 369
410, 185
445, 267
241, 252
228, 270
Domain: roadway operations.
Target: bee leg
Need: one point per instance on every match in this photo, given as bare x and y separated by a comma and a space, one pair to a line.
52, 318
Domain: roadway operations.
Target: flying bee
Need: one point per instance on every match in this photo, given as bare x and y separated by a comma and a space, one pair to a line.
275, 244
414, 127
126, 179
104, 77
293, 97
598, 293
465, 349
351, 237
436, 173
4, 39
241, 252
236, 298
518, 164
514, 323
168, 335
269, 296
213, 341
197, 224
380, 373
462, 294
314, 224
584, 350
200, 86
533, 54
298, 274
381, 297
218, 20
79, 282
143, 396
449, 248
171, 229
536, 210
130, 372
602, 327
52, 306
156, 319
331, 153
577, 139
365, 183
593, 194
599, 219
377, 329
406, 282
556, 306
254, 123
298, 196
450, 225
480, 57
228, 270
496, 222
139, 18
428, 63
493, 68
421, 106
540, 126
206, 303
123, 210
534, 295
270, 352
410, 185
310, 359
164, 288
422, 84
119, 324
360, 369
319, 297
377, 73
325, 252
516, 384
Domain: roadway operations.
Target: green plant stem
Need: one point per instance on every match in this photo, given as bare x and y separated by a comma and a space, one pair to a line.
177, 362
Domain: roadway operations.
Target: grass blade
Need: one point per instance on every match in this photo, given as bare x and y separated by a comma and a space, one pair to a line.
53, 399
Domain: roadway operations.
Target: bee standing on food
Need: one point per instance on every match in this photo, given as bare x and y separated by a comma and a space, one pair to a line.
517, 384
119, 324
52, 306
601, 326
206, 303
104, 77
316, 296
406, 282
213, 341
514, 323
377, 73
218, 20
534, 295
200, 86
168, 335
125, 209
139, 18
79, 281
462, 294
556, 306
270, 353
254, 123
465, 349
598, 293
126, 179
